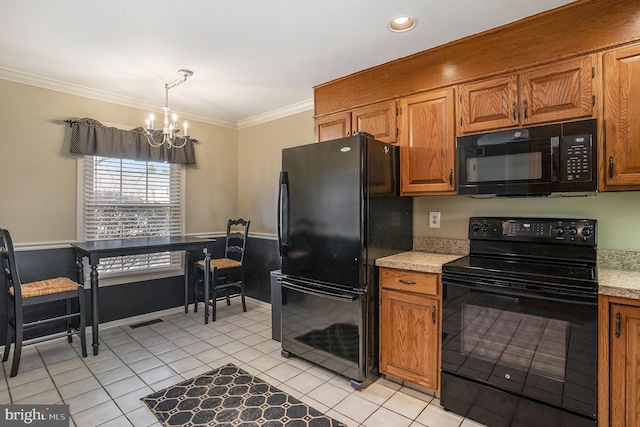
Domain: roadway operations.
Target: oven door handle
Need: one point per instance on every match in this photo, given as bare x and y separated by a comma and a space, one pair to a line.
505, 290
319, 293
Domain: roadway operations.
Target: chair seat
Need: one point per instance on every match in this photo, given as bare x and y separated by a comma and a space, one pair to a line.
46, 287
222, 263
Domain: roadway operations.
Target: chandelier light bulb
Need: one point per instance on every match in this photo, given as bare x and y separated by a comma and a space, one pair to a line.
170, 130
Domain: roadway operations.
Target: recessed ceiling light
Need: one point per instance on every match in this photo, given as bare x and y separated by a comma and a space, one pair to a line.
402, 23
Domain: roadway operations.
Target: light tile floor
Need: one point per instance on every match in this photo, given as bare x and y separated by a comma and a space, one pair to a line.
104, 390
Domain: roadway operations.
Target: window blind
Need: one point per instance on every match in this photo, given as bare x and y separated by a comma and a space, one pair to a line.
128, 199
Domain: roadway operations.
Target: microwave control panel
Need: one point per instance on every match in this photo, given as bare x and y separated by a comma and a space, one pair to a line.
575, 158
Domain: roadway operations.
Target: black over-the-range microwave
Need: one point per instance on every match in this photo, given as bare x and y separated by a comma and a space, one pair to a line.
533, 161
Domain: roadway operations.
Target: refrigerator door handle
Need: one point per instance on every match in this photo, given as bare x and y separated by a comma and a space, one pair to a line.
283, 213
318, 292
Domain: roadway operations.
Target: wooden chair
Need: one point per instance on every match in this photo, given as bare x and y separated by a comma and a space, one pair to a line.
226, 273
44, 292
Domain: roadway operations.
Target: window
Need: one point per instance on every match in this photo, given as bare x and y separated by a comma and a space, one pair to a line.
127, 199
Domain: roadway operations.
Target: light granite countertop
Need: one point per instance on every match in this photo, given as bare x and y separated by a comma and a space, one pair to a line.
619, 273
619, 283
427, 262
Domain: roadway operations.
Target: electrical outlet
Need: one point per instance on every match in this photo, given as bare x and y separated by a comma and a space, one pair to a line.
434, 219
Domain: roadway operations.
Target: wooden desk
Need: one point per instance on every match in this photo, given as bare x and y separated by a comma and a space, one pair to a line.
109, 248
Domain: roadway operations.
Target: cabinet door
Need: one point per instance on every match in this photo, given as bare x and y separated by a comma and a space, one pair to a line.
489, 104
332, 126
622, 119
378, 120
427, 143
625, 365
409, 345
557, 92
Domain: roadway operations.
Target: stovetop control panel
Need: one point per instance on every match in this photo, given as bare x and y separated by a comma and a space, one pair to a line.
542, 230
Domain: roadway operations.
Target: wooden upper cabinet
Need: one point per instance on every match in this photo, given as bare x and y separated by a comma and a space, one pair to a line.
557, 92
427, 143
621, 162
489, 104
378, 120
332, 126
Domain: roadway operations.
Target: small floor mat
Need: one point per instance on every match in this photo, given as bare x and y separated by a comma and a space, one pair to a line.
231, 397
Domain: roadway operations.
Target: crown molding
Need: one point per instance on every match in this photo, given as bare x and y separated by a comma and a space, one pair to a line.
100, 95
277, 114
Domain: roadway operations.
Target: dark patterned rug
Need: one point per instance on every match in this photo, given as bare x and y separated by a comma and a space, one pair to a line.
230, 397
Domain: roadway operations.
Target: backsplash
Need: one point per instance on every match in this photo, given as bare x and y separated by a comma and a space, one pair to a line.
447, 246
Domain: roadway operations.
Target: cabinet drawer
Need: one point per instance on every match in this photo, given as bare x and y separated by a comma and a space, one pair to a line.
409, 281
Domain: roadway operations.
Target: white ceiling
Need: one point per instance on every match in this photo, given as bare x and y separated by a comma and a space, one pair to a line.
250, 57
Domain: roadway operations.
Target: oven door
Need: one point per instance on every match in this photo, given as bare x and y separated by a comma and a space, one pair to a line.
324, 325
511, 356
509, 168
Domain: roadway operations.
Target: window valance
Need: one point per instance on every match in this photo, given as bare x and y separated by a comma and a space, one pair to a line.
90, 137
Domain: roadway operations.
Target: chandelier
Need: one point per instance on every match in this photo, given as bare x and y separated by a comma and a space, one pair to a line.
170, 128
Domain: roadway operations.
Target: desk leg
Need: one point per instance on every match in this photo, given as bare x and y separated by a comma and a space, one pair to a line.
79, 270
186, 282
207, 283
94, 308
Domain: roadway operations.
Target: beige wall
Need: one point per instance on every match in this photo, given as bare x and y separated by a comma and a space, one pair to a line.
260, 156
38, 175
260, 151
617, 214
236, 175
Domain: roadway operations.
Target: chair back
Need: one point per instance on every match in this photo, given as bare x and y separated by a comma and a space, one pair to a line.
237, 233
8, 263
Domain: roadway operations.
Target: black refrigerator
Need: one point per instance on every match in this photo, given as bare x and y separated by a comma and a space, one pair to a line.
339, 210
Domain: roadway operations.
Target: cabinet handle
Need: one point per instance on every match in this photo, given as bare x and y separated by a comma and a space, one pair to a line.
406, 282
433, 314
514, 111
526, 114
450, 177
611, 167
618, 325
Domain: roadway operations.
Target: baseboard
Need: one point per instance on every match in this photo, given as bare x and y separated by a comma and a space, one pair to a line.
155, 314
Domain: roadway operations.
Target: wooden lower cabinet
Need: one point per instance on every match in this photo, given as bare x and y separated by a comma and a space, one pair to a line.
619, 383
410, 328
